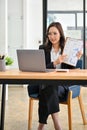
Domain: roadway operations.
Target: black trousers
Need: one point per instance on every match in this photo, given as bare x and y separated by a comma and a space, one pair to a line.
49, 99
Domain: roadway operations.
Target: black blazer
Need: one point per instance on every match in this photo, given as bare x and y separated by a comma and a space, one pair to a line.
49, 64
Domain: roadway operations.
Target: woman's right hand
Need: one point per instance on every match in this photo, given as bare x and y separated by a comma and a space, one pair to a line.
59, 60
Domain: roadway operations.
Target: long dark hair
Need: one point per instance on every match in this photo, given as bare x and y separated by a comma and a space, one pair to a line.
48, 44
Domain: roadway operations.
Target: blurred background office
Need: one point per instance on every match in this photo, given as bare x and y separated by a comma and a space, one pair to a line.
23, 23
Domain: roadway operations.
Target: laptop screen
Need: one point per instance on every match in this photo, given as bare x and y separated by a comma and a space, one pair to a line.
31, 60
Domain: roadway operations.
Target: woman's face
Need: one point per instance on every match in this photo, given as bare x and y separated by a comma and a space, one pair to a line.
54, 35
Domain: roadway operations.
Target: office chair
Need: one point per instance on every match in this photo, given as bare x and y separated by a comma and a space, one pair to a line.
74, 92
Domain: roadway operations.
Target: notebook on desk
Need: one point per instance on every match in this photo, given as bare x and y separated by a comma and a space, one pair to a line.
32, 60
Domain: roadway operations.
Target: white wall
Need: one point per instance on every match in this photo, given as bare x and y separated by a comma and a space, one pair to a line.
33, 21
15, 28
2, 25
65, 5
11, 27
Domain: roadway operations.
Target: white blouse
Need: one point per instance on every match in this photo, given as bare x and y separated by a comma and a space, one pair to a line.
54, 56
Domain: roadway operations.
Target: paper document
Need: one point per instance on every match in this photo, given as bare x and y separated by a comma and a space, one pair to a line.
62, 70
72, 46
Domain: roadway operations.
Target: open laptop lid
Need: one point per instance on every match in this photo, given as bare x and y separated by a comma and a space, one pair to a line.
31, 60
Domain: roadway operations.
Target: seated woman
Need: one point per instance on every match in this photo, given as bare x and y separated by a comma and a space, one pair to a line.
49, 95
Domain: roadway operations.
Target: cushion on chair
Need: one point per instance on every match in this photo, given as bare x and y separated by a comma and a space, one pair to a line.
75, 90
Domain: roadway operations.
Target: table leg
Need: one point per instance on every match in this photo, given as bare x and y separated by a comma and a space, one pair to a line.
3, 107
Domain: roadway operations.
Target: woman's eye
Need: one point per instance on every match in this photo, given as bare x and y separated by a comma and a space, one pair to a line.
55, 33
49, 34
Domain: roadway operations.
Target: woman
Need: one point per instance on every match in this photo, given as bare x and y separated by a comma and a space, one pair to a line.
50, 96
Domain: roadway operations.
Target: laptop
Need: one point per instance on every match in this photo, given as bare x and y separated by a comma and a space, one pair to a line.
31, 60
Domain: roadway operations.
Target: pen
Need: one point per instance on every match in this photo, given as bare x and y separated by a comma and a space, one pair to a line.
2, 57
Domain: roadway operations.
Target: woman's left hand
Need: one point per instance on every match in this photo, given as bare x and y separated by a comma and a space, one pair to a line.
79, 54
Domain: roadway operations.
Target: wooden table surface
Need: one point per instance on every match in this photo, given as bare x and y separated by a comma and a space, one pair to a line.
71, 74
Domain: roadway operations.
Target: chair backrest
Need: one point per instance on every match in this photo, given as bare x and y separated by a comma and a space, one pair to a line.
79, 64
76, 88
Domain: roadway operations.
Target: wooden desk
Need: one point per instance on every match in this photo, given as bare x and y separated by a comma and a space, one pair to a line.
72, 77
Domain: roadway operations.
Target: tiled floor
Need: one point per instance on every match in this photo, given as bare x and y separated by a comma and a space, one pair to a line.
16, 115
